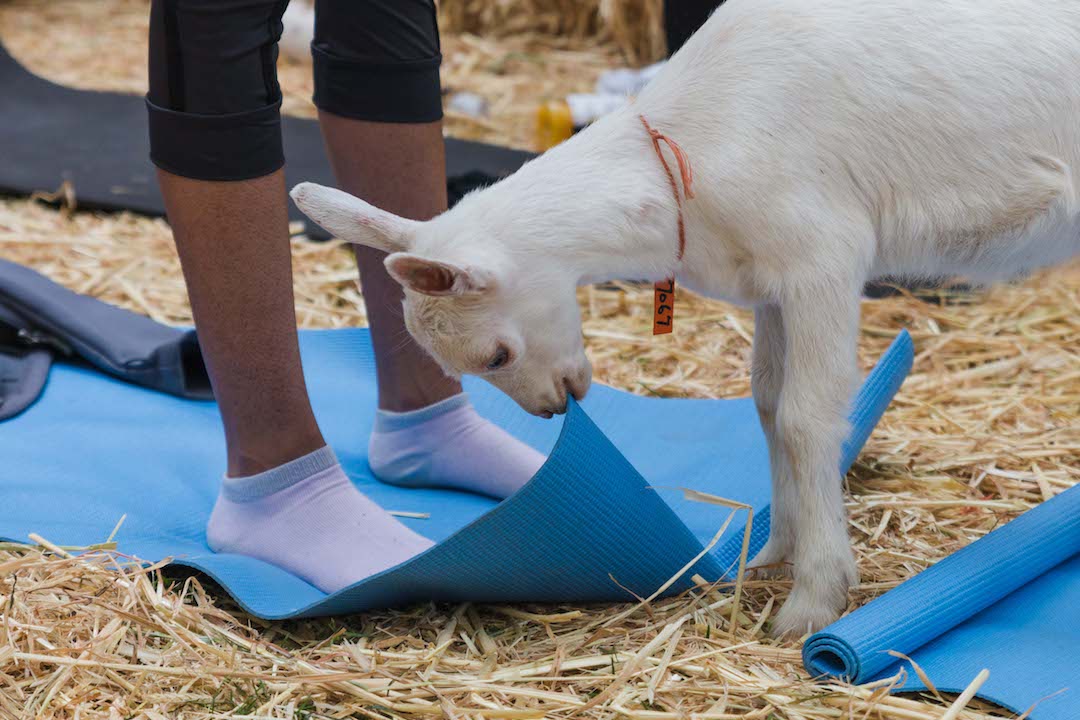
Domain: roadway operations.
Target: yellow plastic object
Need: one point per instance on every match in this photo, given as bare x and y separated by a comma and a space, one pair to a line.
554, 124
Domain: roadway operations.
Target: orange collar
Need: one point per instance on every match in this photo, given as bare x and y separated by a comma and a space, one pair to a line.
685, 171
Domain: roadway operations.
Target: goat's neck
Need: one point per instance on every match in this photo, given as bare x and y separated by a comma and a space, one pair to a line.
605, 204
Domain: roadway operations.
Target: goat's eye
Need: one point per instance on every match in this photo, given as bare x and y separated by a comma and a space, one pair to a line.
499, 359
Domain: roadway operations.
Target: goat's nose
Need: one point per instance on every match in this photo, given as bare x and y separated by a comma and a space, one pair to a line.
576, 386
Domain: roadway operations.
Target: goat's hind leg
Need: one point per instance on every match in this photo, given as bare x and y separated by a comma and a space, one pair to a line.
820, 331
767, 381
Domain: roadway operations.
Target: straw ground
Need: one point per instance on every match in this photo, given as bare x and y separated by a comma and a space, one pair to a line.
987, 425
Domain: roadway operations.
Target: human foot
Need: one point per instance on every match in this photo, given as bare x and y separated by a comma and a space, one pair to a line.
308, 518
449, 445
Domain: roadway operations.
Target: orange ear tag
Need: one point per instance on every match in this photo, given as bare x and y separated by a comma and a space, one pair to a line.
663, 307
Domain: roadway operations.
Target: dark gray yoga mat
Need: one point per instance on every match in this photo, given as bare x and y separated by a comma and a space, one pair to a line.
98, 141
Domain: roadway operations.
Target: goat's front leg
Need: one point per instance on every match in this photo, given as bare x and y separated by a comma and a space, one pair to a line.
767, 380
820, 369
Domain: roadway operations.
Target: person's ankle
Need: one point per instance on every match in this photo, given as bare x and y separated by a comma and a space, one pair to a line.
270, 452
406, 397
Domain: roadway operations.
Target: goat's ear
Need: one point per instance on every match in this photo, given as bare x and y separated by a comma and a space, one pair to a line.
431, 277
353, 220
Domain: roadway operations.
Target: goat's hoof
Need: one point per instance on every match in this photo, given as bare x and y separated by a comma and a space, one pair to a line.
817, 599
803, 614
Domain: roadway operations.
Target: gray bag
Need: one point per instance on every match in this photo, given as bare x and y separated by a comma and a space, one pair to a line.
40, 320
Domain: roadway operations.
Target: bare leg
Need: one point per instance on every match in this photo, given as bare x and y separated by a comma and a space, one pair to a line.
399, 167
820, 331
767, 382
286, 500
233, 242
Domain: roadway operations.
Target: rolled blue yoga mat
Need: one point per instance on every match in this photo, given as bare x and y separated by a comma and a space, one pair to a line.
604, 518
1009, 603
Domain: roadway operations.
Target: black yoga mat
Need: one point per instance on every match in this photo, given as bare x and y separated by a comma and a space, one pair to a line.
98, 141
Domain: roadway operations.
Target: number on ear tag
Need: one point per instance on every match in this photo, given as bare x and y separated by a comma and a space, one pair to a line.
663, 307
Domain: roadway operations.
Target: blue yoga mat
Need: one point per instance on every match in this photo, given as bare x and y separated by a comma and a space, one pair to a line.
1009, 603
94, 449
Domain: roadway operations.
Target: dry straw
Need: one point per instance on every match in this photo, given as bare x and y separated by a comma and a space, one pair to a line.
635, 27
987, 425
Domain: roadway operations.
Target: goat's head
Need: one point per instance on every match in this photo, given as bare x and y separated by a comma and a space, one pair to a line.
470, 302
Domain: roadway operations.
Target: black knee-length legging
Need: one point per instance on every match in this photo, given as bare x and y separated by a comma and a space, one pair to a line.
214, 99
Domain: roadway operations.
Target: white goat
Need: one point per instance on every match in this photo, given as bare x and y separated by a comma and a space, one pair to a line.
832, 142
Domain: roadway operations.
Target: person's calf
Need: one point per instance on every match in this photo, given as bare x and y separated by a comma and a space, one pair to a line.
233, 242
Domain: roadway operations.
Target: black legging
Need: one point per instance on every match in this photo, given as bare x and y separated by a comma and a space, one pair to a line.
682, 18
214, 99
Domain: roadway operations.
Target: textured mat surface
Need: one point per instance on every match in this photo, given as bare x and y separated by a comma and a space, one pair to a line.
98, 140
93, 449
1009, 603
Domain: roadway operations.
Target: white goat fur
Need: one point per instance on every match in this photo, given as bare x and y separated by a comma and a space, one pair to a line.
832, 142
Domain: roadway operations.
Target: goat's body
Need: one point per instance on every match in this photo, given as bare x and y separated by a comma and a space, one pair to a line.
922, 138
832, 142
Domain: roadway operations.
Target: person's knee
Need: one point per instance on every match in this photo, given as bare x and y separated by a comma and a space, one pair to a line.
214, 102
377, 60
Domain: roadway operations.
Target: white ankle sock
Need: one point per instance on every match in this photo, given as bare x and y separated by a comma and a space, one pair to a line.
307, 517
449, 445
